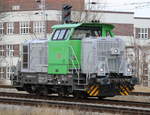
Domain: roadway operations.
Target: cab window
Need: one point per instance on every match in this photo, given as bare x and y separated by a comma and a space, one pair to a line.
60, 34
81, 33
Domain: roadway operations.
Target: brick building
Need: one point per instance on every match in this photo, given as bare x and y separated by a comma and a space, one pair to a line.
22, 20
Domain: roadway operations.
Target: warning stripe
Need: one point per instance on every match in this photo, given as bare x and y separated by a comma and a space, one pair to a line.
94, 90
127, 89
91, 88
121, 93
97, 92
124, 90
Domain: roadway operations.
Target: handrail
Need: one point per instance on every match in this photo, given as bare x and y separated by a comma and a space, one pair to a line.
74, 64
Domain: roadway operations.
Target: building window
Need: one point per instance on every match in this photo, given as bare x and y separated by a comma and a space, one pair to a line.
2, 50
143, 33
1, 28
8, 73
2, 74
24, 27
10, 28
38, 27
9, 50
25, 57
16, 7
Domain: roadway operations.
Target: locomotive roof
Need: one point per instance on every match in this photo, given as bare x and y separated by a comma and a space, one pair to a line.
99, 25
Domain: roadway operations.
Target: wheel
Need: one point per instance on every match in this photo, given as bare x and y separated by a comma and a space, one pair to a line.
19, 88
42, 91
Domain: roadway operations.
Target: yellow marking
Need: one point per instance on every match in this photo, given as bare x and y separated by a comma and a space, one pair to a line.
127, 89
124, 90
93, 91
121, 93
96, 93
121, 87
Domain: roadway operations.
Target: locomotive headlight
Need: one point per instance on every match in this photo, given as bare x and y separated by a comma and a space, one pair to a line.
102, 70
129, 70
59, 82
116, 50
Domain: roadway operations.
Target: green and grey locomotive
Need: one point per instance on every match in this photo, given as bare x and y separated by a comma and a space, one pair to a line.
82, 59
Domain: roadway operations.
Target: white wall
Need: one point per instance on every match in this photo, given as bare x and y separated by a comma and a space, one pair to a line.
31, 16
142, 23
18, 39
105, 17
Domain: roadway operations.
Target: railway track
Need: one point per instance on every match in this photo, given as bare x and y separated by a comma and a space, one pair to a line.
140, 93
132, 93
115, 106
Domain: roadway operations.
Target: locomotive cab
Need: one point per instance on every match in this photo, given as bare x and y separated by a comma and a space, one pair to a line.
68, 37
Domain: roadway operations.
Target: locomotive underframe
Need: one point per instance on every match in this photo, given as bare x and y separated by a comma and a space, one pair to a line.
98, 86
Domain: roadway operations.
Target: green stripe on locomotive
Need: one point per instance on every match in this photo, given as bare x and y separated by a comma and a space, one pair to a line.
64, 55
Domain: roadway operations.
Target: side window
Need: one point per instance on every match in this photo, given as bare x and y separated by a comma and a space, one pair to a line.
60, 34
67, 33
107, 33
96, 33
56, 34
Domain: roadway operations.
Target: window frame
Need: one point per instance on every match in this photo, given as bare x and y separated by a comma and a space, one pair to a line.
38, 27
1, 28
2, 49
16, 7
2, 73
10, 28
8, 72
143, 33
9, 50
24, 27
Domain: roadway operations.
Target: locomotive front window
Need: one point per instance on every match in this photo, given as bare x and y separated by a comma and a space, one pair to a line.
60, 34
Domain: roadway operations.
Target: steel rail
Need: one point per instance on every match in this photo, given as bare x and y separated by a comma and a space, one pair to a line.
91, 103
71, 99
76, 105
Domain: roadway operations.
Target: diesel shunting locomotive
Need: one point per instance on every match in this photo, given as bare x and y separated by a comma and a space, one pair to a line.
81, 59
